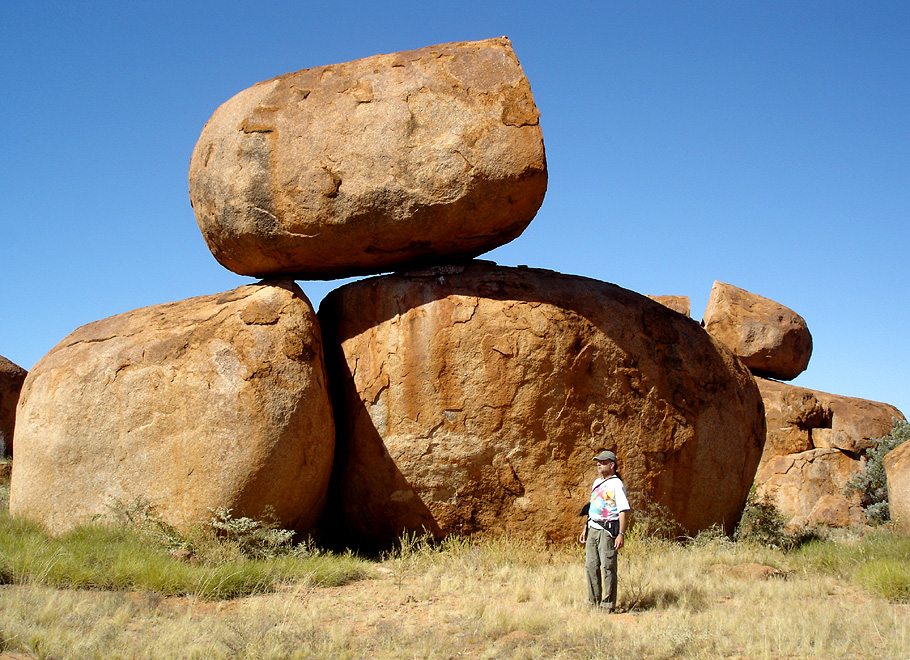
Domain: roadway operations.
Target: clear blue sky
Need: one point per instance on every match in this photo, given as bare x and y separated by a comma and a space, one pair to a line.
764, 144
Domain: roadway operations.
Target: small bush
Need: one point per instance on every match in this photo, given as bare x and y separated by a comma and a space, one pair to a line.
761, 522
257, 539
872, 483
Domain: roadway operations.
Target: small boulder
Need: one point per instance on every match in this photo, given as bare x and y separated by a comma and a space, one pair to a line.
679, 304
215, 401
472, 398
11, 378
371, 165
770, 339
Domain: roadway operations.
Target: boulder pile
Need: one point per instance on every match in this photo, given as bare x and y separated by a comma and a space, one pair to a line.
454, 396
816, 441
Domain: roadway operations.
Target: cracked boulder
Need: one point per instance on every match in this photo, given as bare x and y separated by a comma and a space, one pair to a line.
815, 444
371, 165
472, 398
770, 339
800, 419
215, 401
808, 487
11, 378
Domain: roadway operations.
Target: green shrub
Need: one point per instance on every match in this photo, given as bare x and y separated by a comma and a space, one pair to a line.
257, 539
761, 522
871, 483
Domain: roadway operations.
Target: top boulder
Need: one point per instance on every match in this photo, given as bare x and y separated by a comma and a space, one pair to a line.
770, 339
389, 161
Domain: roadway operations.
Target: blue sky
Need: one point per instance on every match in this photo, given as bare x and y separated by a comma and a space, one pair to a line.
764, 144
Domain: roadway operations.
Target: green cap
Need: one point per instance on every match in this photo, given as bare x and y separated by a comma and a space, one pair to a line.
605, 456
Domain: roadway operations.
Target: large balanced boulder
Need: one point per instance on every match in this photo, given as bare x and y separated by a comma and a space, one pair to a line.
897, 469
472, 399
366, 166
770, 339
11, 378
216, 401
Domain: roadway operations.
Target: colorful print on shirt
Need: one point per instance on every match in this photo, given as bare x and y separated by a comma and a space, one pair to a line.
608, 498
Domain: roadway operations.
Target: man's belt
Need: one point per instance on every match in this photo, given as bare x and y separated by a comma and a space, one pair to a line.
611, 526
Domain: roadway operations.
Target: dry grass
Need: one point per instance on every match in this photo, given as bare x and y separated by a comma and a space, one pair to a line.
499, 599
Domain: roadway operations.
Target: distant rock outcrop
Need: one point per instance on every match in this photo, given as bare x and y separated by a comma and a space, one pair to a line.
815, 445
11, 378
370, 165
216, 401
770, 339
472, 398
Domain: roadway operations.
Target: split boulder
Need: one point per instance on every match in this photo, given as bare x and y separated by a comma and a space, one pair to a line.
473, 398
770, 339
11, 378
370, 165
800, 419
215, 401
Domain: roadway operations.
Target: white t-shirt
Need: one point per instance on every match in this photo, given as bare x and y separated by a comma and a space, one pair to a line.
608, 499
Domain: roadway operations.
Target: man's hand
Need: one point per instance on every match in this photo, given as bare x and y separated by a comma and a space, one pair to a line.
619, 541
583, 536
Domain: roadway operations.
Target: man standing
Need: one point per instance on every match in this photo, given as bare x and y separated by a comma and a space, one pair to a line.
604, 531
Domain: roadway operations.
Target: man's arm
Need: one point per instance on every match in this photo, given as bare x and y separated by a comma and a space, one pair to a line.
620, 539
584, 532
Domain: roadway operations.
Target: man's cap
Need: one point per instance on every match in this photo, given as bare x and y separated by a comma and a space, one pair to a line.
605, 456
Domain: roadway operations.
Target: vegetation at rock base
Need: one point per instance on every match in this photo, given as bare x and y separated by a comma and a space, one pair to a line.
840, 597
872, 482
763, 523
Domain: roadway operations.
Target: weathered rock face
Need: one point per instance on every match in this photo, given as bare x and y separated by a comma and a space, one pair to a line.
679, 304
11, 378
897, 470
814, 446
808, 487
216, 401
365, 166
800, 419
770, 339
474, 397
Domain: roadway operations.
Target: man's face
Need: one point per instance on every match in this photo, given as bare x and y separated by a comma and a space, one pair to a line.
606, 468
